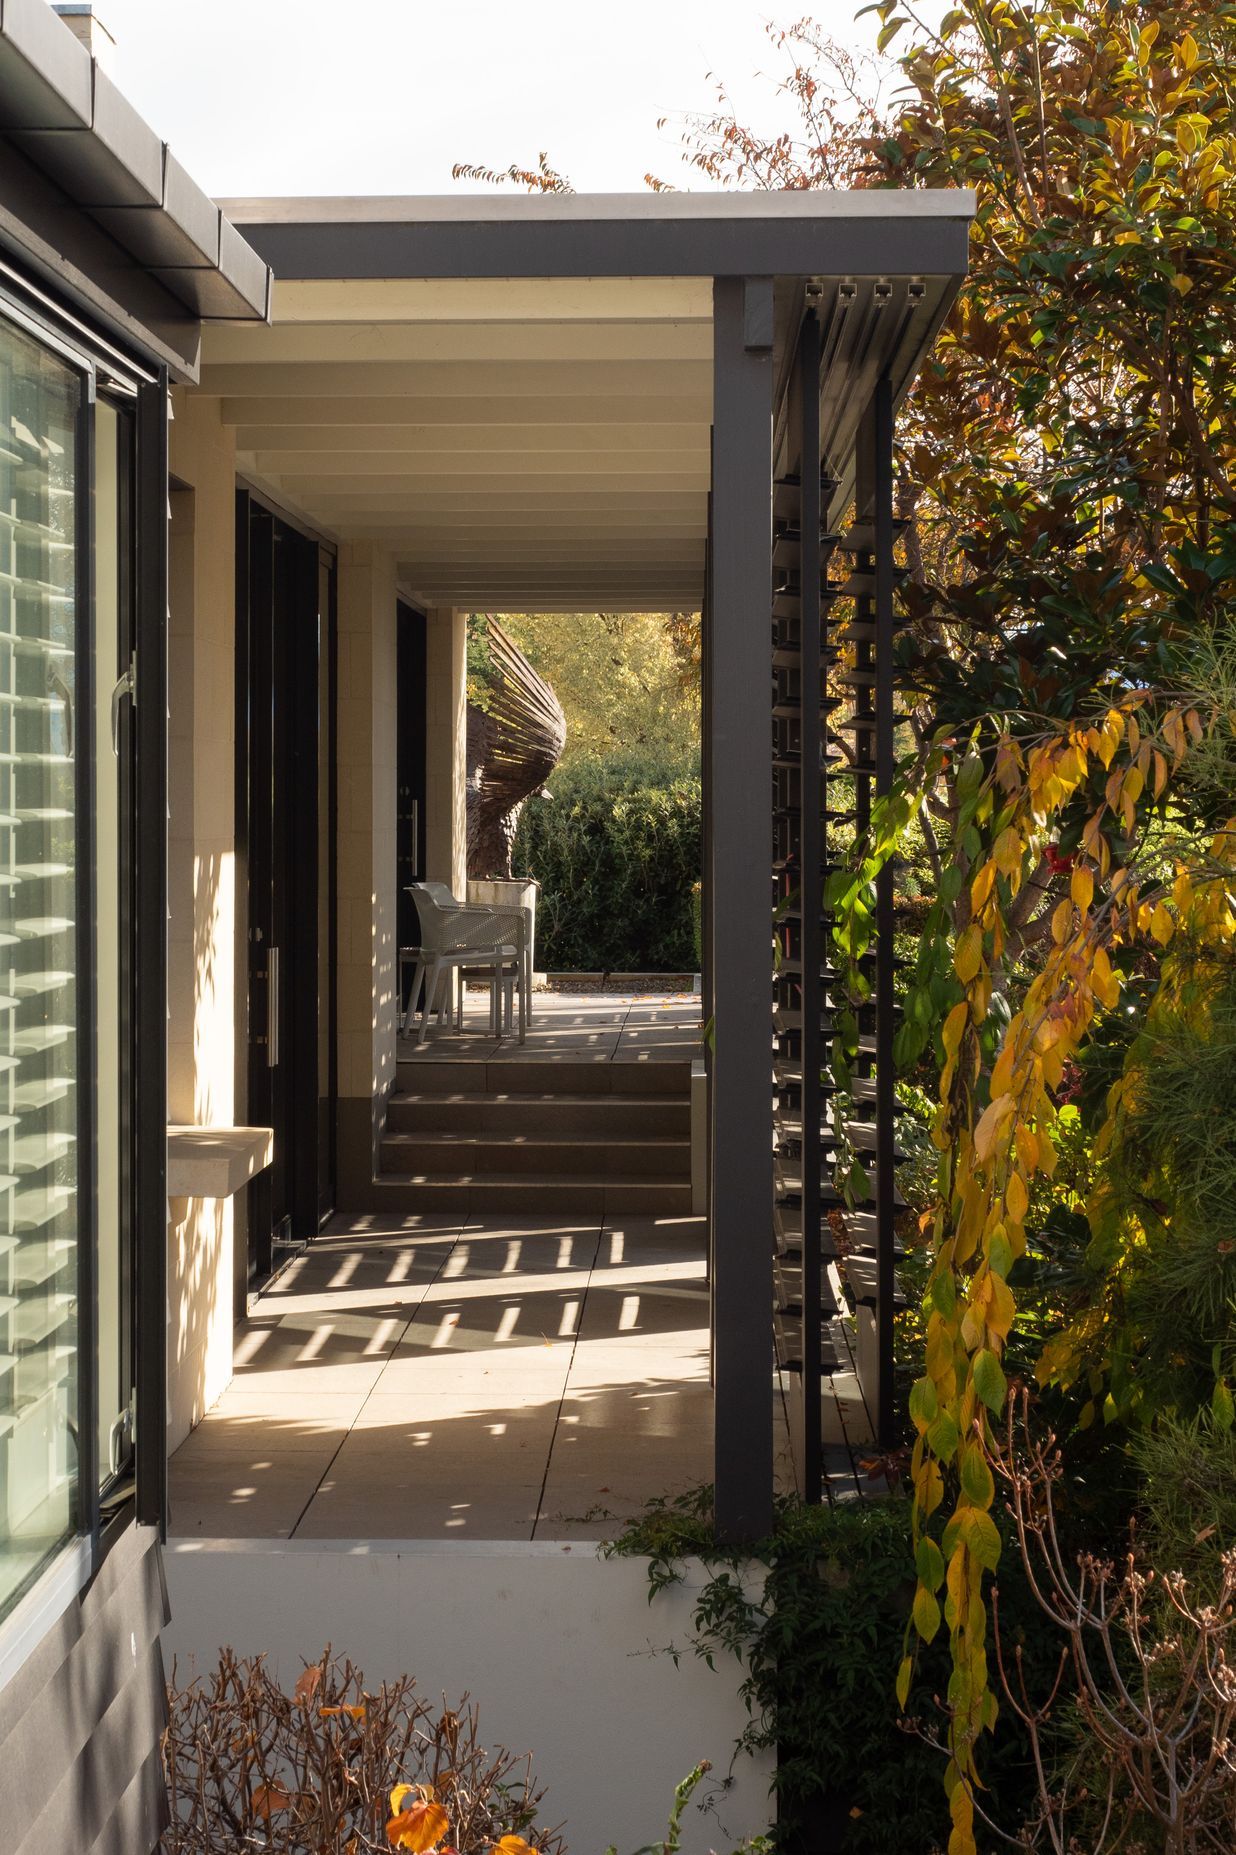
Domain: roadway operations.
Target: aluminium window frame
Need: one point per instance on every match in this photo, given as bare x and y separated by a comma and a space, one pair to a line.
28, 307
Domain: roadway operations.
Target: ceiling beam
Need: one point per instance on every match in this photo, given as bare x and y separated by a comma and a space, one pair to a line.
412, 485
421, 535
541, 409
466, 379
532, 299
508, 497
689, 555
323, 344
480, 440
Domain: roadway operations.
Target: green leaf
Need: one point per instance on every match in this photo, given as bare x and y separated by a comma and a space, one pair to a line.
923, 1402
1000, 1258
976, 1482
904, 1675
930, 1562
943, 1437
1221, 1406
989, 1380
944, 1294
983, 1538
970, 778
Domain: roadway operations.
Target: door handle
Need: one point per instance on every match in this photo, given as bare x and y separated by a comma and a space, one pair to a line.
126, 685
272, 1007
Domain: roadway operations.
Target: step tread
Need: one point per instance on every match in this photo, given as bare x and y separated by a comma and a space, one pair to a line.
450, 1136
550, 1097
536, 1181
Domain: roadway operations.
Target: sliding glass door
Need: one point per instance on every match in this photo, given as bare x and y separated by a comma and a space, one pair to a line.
112, 916
43, 501
67, 981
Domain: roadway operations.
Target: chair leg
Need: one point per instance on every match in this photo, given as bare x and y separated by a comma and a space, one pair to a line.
418, 973
431, 989
526, 983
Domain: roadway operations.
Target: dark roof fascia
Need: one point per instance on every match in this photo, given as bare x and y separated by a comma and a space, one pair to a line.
67, 117
46, 235
895, 234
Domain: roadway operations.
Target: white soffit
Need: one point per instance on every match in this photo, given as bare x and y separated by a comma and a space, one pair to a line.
528, 443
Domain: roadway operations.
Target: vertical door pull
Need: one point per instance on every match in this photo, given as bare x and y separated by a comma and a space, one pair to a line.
126, 685
272, 1007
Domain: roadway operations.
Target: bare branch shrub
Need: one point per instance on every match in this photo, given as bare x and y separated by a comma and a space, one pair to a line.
1144, 1668
310, 1773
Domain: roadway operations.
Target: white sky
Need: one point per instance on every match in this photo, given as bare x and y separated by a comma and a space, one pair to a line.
382, 96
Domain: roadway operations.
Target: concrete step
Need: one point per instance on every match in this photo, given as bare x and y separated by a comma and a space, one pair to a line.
539, 1075
515, 1194
548, 1157
544, 1115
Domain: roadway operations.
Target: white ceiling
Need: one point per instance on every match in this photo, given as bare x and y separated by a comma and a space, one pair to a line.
527, 444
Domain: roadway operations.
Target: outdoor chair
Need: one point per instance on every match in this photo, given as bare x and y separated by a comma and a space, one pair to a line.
455, 935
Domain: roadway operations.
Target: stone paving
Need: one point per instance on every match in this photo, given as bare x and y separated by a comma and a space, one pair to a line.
477, 1376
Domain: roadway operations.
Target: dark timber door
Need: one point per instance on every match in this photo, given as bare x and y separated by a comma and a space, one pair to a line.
410, 771
285, 807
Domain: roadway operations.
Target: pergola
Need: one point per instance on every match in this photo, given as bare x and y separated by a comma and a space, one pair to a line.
659, 402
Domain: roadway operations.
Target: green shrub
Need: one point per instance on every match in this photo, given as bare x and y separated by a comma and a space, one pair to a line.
616, 851
816, 1618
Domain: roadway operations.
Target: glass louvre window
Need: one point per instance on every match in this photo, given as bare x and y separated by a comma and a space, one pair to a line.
113, 552
40, 404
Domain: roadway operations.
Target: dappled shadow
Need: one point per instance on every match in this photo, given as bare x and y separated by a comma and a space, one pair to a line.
503, 1380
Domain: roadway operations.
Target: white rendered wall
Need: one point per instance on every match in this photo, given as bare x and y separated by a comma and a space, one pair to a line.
560, 1650
202, 997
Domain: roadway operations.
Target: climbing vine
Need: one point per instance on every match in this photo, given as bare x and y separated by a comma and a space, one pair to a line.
1098, 783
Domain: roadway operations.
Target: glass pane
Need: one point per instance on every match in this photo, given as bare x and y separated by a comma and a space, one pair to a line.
113, 439
39, 401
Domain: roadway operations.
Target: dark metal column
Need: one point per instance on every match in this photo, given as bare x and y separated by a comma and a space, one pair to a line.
740, 721
812, 901
150, 717
885, 1102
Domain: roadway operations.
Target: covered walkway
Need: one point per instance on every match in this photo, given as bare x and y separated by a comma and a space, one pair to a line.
488, 1378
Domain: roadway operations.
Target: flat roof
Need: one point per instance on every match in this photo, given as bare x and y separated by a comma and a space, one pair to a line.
78, 131
497, 206
874, 232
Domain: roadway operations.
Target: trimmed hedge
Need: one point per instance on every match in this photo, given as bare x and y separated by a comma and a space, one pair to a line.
617, 852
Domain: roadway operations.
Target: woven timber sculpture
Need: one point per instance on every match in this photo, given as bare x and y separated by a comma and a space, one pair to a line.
516, 733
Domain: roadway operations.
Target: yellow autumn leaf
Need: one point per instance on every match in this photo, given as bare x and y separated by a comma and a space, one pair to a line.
418, 1825
1162, 926
954, 1026
990, 1122
982, 886
1017, 1198
1081, 887
1062, 922
1007, 853
968, 956
1103, 980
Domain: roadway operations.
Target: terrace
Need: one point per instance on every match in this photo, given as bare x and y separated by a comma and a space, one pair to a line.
437, 1373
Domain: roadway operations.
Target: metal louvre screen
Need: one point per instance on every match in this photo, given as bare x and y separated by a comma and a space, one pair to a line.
833, 733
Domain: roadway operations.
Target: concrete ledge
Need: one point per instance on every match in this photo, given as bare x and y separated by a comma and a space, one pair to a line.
560, 1650
215, 1162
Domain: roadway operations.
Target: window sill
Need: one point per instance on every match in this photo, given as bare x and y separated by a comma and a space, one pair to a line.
42, 1607
215, 1162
